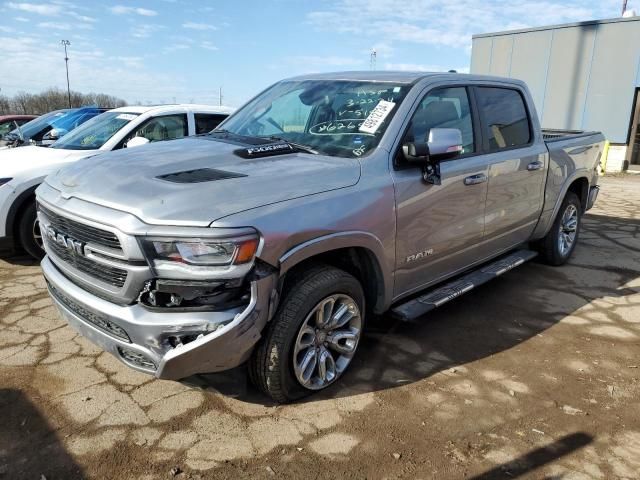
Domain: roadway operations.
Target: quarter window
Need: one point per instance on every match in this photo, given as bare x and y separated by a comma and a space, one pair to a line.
505, 116
443, 108
205, 122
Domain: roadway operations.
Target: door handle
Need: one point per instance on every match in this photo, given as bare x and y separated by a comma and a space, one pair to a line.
535, 166
475, 179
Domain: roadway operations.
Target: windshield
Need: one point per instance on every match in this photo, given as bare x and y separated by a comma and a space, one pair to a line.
335, 117
95, 132
35, 126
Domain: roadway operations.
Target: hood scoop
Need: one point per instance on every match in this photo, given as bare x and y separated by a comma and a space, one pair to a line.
199, 175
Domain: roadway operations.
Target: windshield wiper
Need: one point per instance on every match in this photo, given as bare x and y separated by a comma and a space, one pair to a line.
299, 146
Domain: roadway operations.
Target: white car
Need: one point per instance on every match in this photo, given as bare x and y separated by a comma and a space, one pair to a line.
23, 169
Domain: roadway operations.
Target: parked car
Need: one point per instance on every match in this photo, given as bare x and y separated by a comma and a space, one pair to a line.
48, 128
323, 200
10, 122
23, 169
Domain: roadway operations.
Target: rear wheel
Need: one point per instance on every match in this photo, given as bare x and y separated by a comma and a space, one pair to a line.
313, 337
29, 232
557, 246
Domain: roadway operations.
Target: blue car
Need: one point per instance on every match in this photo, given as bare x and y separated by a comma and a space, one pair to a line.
47, 128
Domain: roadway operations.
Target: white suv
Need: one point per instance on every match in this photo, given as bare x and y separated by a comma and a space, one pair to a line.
23, 169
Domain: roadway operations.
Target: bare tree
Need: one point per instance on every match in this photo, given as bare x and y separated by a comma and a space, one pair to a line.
55, 99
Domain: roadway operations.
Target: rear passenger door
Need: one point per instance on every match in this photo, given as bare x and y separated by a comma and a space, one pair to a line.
517, 167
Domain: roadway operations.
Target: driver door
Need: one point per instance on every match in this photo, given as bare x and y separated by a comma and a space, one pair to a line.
440, 227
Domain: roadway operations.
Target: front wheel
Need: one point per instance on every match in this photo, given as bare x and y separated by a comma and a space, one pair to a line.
313, 337
29, 232
558, 245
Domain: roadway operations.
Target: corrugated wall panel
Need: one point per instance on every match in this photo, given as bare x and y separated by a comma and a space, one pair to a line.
481, 56
569, 67
589, 80
612, 81
529, 63
501, 56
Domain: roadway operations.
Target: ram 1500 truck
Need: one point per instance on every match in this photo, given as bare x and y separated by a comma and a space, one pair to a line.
325, 199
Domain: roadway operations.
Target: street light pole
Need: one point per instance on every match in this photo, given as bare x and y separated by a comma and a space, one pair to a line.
624, 6
65, 44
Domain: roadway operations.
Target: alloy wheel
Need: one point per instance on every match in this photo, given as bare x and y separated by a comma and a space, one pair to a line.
327, 341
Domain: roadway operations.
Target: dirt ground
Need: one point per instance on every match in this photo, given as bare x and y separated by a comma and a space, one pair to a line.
534, 375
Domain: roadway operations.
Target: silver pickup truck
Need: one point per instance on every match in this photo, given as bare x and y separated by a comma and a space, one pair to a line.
325, 200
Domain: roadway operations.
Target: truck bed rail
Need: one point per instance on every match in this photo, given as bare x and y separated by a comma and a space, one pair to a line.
551, 135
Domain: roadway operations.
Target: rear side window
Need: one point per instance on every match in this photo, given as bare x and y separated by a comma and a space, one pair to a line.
205, 122
505, 117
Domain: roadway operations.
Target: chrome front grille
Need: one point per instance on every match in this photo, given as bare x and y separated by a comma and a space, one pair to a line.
80, 231
107, 274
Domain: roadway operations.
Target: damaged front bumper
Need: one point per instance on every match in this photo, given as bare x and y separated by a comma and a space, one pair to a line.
143, 338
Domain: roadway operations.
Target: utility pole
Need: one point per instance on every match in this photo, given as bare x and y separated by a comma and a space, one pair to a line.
372, 60
624, 6
65, 44
220, 96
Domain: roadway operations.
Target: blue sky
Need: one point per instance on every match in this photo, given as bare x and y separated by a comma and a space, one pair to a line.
153, 51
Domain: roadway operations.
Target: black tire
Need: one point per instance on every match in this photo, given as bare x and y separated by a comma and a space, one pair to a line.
26, 237
549, 247
271, 365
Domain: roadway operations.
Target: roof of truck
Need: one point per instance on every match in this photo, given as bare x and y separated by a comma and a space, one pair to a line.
398, 76
185, 106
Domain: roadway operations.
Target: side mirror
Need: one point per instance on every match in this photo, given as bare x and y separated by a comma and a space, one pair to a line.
444, 143
51, 136
137, 142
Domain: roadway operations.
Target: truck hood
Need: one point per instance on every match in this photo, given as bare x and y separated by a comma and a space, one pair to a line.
16, 161
195, 181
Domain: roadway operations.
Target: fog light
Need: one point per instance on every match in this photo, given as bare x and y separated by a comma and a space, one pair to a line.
136, 358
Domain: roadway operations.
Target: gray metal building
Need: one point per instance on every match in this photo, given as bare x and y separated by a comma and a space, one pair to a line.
583, 76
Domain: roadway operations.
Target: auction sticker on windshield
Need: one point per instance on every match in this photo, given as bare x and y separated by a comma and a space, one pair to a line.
126, 116
373, 121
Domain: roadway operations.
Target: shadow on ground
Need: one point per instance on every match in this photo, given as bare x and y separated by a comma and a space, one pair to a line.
28, 443
537, 458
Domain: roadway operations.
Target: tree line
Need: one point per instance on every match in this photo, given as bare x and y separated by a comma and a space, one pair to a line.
54, 99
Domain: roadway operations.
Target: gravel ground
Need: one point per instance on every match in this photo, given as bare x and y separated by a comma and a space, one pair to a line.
534, 375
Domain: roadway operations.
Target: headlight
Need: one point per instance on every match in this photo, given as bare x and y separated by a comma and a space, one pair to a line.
198, 254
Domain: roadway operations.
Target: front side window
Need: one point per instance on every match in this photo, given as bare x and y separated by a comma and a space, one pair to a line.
345, 118
505, 117
205, 122
6, 127
94, 133
167, 127
443, 108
